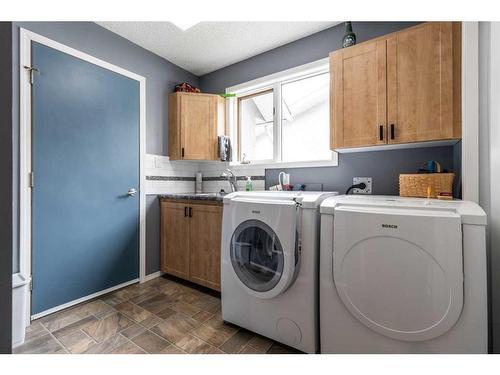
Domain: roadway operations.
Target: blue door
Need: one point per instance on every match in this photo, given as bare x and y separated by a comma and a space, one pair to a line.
85, 139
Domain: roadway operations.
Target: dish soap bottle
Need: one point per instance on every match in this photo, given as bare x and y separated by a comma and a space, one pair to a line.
249, 185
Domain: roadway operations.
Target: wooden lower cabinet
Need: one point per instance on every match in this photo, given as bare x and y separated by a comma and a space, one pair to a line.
204, 247
174, 235
190, 241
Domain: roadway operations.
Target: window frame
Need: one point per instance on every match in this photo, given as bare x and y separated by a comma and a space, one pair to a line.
273, 82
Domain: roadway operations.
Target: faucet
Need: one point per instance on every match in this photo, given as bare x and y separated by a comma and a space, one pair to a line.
231, 178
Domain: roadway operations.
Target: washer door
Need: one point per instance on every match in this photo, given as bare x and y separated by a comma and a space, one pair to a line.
257, 255
399, 272
265, 259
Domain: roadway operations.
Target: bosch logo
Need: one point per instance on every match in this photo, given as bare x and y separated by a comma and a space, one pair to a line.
389, 226
255, 212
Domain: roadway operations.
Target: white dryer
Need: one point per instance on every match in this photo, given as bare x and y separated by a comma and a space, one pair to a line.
269, 270
402, 275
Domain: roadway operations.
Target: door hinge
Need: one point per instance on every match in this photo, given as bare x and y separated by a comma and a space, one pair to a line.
32, 179
31, 284
31, 71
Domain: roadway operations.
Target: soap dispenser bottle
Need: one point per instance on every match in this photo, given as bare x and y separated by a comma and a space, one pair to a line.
249, 185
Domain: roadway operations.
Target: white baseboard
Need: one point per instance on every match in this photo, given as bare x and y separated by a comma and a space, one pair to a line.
153, 276
83, 299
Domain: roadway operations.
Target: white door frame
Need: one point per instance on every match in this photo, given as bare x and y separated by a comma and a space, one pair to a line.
493, 125
26, 37
470, 111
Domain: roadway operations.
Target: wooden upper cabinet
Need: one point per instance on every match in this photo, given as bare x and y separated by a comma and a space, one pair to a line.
174, 239
195, 121
399, 88
420, 83
205, 241
358, 95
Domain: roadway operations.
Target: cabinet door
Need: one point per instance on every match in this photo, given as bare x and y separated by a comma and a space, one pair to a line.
174, 127
206, 229
175, 239
198, 127
358, 95
420, 83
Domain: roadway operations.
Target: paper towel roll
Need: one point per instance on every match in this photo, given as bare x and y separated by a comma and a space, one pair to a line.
198, 183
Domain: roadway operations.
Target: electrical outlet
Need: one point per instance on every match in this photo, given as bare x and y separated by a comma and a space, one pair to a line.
367, 181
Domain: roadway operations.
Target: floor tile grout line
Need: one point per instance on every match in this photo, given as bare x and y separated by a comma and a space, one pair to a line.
61, 344
33, 339
46, 331
128, 340
90, 337
189, 332
82, 331
205, 342
218, 347
154, 333
199, 338
43, 325
173, 343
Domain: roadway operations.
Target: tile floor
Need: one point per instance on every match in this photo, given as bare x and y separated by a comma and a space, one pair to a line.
160, 316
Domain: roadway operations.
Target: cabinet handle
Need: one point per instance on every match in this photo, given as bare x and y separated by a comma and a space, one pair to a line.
190, 211
182, 152
381, 132
185, 211
392, 131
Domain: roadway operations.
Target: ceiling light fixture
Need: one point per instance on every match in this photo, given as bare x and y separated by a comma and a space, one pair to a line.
184, 25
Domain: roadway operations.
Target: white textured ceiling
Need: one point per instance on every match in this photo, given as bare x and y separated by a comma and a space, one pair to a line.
208, 46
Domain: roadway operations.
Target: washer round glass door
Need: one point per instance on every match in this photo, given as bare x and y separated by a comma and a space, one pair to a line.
257, 255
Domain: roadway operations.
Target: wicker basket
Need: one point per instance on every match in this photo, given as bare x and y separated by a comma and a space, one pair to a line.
417, 185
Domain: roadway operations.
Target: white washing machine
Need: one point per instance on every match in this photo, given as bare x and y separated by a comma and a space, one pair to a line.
269, 270
402, 275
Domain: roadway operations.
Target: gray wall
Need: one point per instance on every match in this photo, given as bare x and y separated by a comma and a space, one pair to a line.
6, 230
161, 77
302, 51
152, 234
383, 166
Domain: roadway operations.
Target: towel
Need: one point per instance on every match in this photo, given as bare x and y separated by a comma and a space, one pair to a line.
225, 150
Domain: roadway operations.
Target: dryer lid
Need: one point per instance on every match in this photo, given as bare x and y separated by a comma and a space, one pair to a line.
397, 273
469, 212
308, 199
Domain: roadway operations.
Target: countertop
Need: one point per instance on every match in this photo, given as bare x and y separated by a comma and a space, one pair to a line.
193, 196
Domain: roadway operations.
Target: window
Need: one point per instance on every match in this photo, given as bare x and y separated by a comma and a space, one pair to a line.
305, 123
283, 118
256, 118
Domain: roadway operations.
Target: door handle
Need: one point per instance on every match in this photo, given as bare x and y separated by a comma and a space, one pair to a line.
131, 192
392, 131
185, 211
190, 211
381, 132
